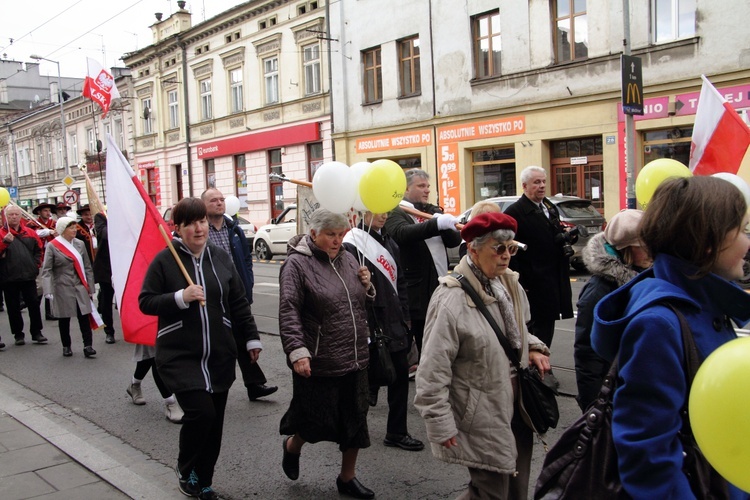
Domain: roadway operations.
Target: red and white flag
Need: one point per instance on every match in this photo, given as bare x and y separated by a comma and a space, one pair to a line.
134, 240
720, 137
99, 85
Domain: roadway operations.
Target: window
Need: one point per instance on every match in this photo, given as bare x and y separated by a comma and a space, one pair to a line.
210, 173
410, 76
151, 184
240, 175
120, 135
486, 35
668, 143
24, 166
235, 90
571, 31
674, 19
311, 63
90, 140
494, 172
206, 104
271, 78
373, 76
50, 163
174, 109
73, 148
314, 158
584, 177
148, 127
60, 159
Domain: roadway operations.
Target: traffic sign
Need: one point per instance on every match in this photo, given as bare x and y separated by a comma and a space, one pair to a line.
632, 85
68, 180
13, 192
70, 197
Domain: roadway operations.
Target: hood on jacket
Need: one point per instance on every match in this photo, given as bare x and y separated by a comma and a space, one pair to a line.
668, 280
602, 263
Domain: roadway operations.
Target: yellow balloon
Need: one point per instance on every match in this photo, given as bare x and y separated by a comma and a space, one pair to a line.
382, 186
4, 197
719, 411
653, 174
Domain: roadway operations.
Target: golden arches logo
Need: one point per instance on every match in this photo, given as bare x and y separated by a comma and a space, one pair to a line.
633, 94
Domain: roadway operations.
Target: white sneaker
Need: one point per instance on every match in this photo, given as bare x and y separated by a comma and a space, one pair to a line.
174, 413
134, 390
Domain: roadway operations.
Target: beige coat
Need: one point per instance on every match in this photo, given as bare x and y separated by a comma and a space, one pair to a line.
463, 384
60, 279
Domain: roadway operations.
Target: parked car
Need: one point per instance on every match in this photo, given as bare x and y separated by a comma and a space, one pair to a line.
247, 227
574, 211
272, 238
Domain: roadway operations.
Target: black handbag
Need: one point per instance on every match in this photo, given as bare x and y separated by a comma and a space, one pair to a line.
381, 371
537, 398
583, 462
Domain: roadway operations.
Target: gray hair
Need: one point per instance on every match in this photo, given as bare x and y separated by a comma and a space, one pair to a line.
528, 171
323, 219
415, 173
496, 235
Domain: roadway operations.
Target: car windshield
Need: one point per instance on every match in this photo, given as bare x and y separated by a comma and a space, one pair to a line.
577, 209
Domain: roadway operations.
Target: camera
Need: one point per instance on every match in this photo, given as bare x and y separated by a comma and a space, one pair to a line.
567, 238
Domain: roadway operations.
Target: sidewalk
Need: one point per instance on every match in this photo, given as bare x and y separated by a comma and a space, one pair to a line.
47, 451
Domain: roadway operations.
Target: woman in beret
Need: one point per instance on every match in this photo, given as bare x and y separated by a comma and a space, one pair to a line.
467, 389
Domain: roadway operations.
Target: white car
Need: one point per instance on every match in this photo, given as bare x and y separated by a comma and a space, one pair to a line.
272, 238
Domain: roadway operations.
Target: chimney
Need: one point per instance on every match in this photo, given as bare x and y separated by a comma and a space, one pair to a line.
158, 16
181, 4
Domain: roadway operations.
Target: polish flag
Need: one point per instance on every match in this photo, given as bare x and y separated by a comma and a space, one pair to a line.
134, 240
99, 85
720, 137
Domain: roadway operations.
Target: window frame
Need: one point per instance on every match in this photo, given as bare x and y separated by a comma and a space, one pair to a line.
311, 69
674, 21
236, 90
571, 17
484, 62
372, 75
74, 146
412, 60
206, 98
174, 108
271, 79
148, 126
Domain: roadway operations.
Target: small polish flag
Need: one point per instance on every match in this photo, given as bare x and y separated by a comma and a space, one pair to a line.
99, 85
133, 230
720, 137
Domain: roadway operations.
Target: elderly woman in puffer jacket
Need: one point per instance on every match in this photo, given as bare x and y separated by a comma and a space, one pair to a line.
323, 327
467, 390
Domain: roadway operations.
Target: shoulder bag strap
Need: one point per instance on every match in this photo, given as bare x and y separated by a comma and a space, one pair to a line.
509, 351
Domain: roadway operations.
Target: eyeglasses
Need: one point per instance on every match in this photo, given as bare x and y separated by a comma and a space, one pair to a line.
501, 248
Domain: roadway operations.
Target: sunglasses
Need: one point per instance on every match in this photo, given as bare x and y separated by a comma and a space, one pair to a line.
501, 248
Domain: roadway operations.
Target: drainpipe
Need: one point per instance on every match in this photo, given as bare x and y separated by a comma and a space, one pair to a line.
183, 47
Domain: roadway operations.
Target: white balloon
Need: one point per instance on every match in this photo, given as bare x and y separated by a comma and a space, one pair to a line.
231, 205
357, 170
334, 187
737, 181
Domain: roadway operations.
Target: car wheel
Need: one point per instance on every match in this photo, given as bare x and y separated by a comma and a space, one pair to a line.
262, 251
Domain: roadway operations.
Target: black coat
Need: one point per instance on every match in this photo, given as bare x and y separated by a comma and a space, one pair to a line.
544, 268
416, 259
390, 309
102, 265
195, 347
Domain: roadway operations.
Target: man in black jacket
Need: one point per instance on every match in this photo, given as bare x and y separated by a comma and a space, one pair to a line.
226, 233
103, 277
544, 269
423, 243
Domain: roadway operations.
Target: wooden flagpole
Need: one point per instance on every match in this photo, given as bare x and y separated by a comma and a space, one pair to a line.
168, 240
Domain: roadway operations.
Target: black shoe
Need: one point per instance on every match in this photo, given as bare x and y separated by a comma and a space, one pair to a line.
354, 488
208, 493
188, 486
260, 391
2, 345
290, 461
20, 341
89, 351
67, 352
372, 398
49, 317
405, 442
39, 339
110, 338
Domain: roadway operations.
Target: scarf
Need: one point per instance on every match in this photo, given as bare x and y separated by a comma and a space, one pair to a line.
494, 288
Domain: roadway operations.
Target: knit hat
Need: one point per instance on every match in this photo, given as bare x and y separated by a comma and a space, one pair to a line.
622, 231
486, 223
63, 223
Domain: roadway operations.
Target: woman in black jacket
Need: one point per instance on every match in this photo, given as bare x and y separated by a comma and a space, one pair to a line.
613, 258
195, 347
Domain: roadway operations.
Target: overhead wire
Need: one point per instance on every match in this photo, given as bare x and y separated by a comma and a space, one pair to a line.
14, 40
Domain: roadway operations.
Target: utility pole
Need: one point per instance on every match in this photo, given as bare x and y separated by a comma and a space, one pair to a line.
629, 122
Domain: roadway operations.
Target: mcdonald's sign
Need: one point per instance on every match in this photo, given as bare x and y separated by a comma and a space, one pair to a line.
632, 85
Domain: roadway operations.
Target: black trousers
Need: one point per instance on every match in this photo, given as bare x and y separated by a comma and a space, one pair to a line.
417, 332
104, 306
13, 294
544, 329
141, 370
83, 324
200, 436
398, 394
251, 372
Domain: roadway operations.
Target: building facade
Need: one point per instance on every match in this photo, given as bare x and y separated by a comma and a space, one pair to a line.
474, 91
232, 100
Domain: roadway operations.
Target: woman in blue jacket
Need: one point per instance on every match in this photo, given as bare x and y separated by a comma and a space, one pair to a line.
694, 230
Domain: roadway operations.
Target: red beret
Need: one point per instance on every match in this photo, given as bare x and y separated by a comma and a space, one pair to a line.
486, 223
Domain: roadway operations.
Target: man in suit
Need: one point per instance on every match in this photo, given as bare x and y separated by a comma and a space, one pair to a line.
544, 269
423, 243
225, 233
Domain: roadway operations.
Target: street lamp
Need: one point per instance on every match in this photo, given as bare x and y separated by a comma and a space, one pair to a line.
62, 111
